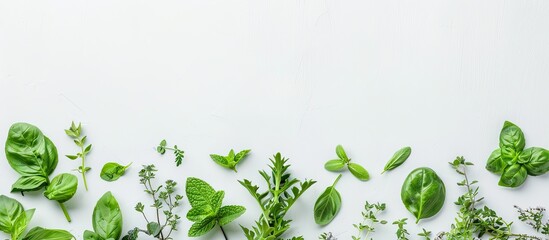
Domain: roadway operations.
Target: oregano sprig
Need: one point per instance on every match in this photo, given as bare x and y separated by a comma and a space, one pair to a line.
179, 154
75, 132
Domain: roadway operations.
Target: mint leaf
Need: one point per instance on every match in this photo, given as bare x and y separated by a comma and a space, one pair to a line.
227, 214
216, 200
198, 192
202, 227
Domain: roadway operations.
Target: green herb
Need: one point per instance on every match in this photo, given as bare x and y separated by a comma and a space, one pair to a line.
370, 219
423, 193
112, 171
34, 157
275, 203
398, 159
328, 204
534, 218
107, 219
38, 233
474, 220
75, 132
401, 233
230, 161
512, 161
206, 211
179, 154
14, 220
165, 201
338, 164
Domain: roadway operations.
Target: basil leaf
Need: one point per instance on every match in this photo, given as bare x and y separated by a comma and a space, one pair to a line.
495, 163
29, 183
358, 171
89, 235
62, 187
511, 142
112, 171
423, 193
327, 205
398, 159
513, 176
107, 217
536, 160
29, 152
227, 214
334, 165
21, 223
39, 233
10, 209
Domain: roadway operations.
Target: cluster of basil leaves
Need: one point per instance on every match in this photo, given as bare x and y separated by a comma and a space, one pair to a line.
34, 157
512, 161
14, 220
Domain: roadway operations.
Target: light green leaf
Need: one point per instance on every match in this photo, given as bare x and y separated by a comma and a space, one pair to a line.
341, 153
39, 233
202, 227
107, 217
62, 187
219, 160
198, 192
227, 214
10, 209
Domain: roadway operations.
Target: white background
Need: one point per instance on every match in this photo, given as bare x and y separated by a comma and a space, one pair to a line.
297, 77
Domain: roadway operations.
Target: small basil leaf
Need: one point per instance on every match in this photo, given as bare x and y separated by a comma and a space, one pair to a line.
21, 223
341, 152
513, 176
39, 233
10, 209
112, 171
62, 187
537, 161
107, 217
89, 235
511, 142
423, 193
29, 183
334, 165
327, 205
495, 163
398, 159
358, 171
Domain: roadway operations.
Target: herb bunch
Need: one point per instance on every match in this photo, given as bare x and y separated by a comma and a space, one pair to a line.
534, 218
75, 132
473, 220
165, 202
283, 191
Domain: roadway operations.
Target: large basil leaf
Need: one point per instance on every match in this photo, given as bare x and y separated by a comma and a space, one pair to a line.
107, 217
10, 209
423, 193
328, 204
39, 233
29, 152
513, 176
535, 160
495, 163
511, 142
62, 187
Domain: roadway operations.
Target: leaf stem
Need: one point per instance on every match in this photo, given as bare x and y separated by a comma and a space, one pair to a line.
223, 231
83, 170
65, 212
337, 180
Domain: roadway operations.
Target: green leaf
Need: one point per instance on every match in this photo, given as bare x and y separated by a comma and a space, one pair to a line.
334, 165
21, 223
197, 214
341, 153
216, 200
495, 163
241, 155
62, 187
535, 160
107, 217
39, 233
154, 229
198, 192
72, 157
202, 227
398, 159
219, 160
511, 142
112, 171
227, 214
359, 171
328, 204
423, 193
513, 176
89, 235
10, 209
29, 183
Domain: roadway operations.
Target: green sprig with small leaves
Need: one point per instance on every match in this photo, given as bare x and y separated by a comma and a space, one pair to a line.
336, 165
75, 132
402, 233
534, 218
370, 219
179, 154
230, 161
165, 202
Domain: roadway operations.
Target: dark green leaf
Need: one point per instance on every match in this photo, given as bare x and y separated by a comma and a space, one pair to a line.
535, 160
112, 171
495, 163
423, 193
398, 159
29, 183
154, 229
328, 204
511, 142
513, 176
